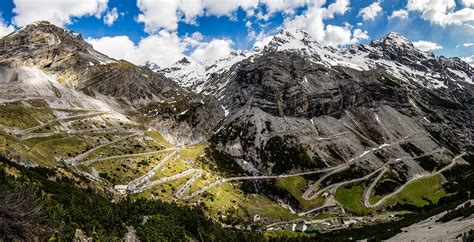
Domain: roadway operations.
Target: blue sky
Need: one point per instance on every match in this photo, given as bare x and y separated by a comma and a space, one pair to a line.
165, 30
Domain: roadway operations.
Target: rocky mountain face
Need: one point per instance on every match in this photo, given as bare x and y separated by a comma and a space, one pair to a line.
295, 105
70, 68
292, 106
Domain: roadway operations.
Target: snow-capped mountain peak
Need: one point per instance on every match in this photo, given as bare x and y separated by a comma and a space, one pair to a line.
394, 53
395, 44
395, 38
184, 61
185, 72
152, 66
292, 39
192, 74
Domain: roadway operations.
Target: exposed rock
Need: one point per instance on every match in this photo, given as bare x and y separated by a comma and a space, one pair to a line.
339, 103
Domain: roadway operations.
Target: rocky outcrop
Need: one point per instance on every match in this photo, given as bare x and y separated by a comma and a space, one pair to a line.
286, 84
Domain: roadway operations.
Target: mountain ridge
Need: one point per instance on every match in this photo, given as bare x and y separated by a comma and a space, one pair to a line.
359, 57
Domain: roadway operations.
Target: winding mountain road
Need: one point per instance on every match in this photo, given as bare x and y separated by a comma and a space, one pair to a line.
307, 194
136, 184
184, 192
197, 173
76, 132
74, 117
89, 162
73, 161
330, 202
381, 201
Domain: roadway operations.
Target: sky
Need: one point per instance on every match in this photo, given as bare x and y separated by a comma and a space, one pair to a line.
164, 31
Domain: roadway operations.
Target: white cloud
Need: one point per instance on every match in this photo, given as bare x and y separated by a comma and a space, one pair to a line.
312, 21
251, 32
262, 40
401, 14
248, 24
426, 45
117, 47
287, 6
370, 12
58, 12
5, 28
338, 7
163, 48
359, 35
158, 14
212, 51
443, 12
197, 36
194, 40
336, 35
221, 8
165, 14
468, 44
261, 16
111, 16
468, 3
469, 60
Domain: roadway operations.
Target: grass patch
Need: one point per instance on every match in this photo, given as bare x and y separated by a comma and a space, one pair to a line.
3, 144
16, 115
350, 198
172, 167
288, 234
50, 150
37, 140
193, 152
158, 138
129, 146
225, 197
296, 185
123, 170
11, 145
376, 198
419, 193
422, 191
259, 204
